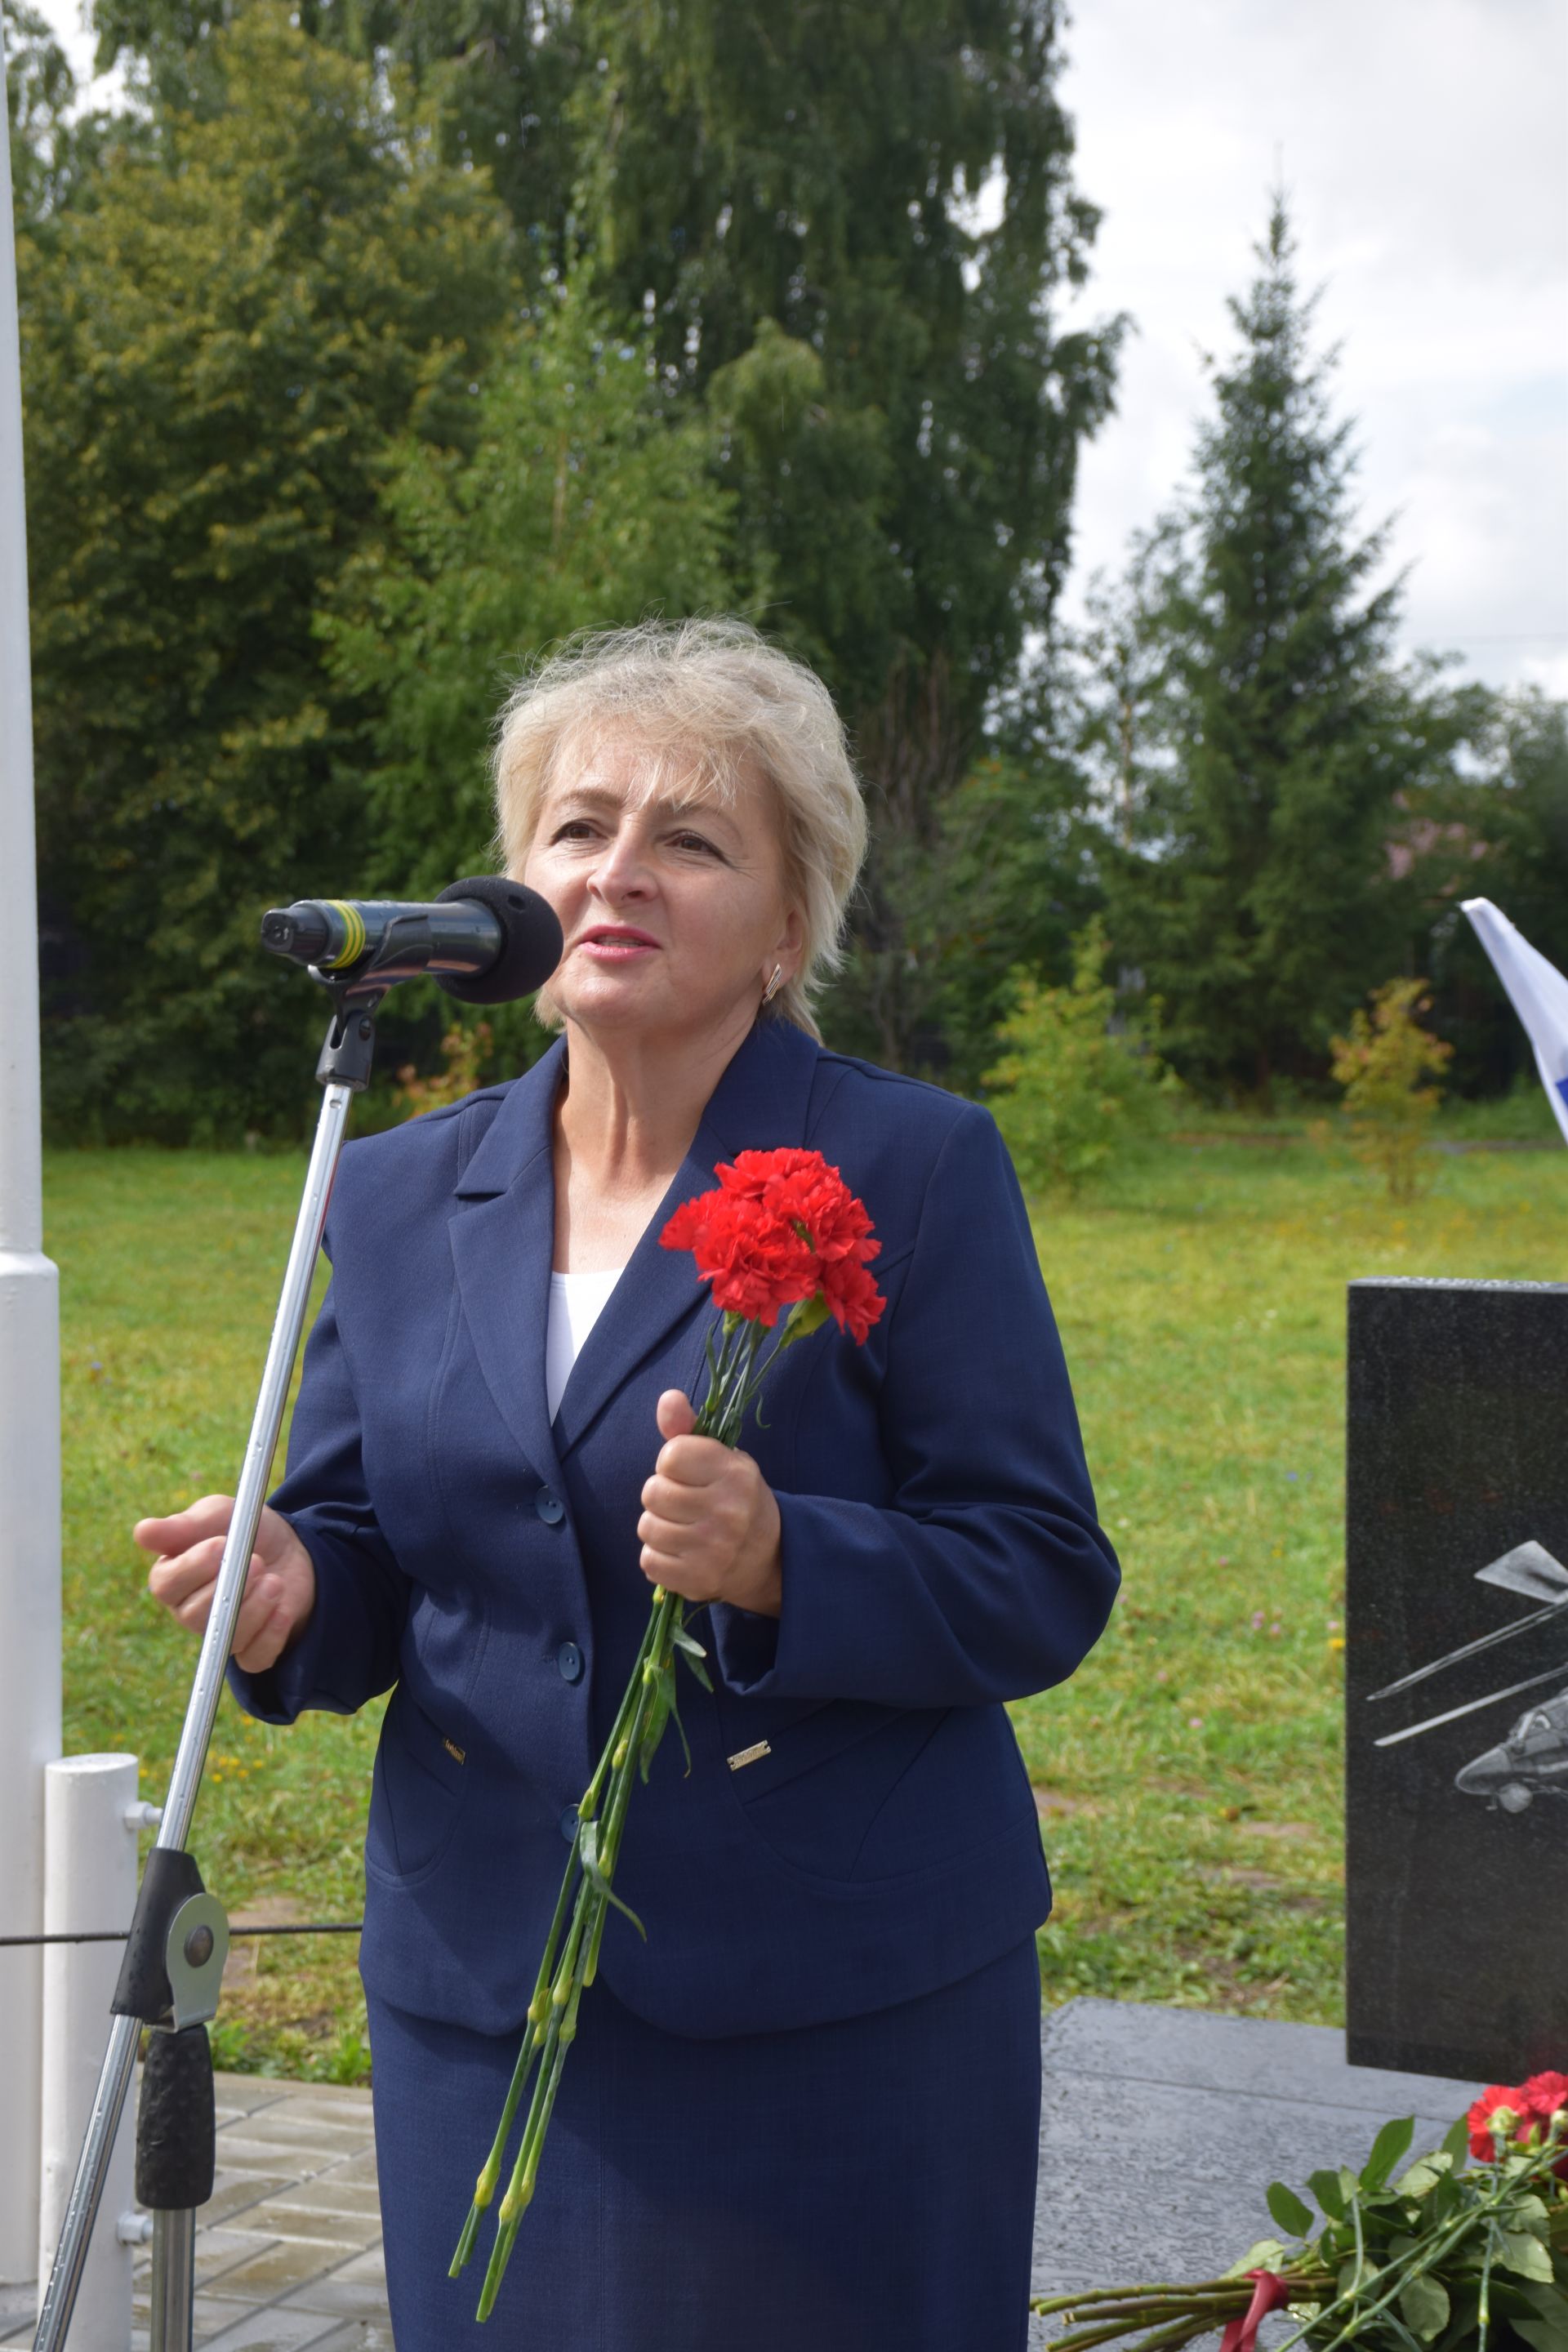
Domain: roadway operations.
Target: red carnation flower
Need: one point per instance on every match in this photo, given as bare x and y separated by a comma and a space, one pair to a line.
782, 1227
852, 1297
1545, 2094
757, 1264
1498, 2113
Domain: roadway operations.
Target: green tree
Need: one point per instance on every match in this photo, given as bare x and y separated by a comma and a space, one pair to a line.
219, 348
1493, 824
904, 431
51, 146
1013, 875
849, 228
1079, 1080
1253, 897
581, 500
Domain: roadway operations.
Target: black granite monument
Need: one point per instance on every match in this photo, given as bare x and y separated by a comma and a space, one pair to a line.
1457, 1681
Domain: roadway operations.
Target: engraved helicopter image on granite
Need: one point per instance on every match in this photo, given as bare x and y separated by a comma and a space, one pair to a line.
1532, 1760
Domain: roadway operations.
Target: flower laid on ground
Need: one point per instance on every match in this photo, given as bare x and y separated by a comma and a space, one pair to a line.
1437, 2257
782, 1237
1523, 2116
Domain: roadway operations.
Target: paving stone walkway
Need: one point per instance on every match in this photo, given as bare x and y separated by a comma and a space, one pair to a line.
289, 2250
1160, 2131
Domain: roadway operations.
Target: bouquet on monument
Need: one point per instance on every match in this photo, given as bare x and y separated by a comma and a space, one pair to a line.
785, 1245
1437, 2257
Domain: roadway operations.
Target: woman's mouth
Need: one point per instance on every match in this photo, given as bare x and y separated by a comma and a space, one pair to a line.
617, 943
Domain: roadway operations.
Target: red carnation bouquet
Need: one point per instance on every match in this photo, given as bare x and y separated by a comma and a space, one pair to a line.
1425, 2257
785, 1245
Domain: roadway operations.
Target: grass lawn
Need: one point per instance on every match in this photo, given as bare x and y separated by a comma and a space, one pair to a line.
1188, 1778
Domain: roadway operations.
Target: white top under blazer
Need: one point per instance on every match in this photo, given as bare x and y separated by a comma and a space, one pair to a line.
576, 1303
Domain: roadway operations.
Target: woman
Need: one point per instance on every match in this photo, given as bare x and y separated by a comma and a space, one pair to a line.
804, 2114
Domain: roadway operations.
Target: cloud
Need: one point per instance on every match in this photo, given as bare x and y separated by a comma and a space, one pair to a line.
1420, 141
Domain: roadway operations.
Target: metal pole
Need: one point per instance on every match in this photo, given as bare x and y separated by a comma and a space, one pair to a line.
115, 2079
173, 2284
191, 1756
91, 1819
29, 1345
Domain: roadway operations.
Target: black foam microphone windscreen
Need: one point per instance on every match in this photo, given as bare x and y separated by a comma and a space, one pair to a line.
531, 942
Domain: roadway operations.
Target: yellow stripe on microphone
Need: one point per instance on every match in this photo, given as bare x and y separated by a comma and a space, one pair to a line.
354, 936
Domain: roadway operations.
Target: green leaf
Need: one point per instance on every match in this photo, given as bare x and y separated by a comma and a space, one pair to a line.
1325, 2187
1541, 2335
653, 1729
1267, 2254
1547, 2328
681, 1732
1421, 2175
1423, 2301
1455, 2143
1286, 2207
588, 1854
694, 1654
1521, 2251
1387, 2151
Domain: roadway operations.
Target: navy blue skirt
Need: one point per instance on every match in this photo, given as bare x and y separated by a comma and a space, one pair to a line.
867, 2186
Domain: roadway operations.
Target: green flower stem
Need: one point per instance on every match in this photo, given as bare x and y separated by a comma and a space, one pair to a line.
1183, 2330
519, 2188
485, 2188
581, 1955
1484, 2303
1201, 2290
736, 1369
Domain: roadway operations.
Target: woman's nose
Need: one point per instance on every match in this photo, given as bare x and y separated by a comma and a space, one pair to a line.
622, 871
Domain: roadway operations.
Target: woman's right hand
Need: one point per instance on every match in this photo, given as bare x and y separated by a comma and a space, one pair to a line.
279, 1591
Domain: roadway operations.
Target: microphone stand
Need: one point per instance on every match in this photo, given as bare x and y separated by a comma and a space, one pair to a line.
173, 1970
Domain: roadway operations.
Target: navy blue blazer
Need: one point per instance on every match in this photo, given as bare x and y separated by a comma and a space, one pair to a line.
857, 1828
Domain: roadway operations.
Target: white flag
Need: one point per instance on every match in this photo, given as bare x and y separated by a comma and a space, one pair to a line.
1540, 995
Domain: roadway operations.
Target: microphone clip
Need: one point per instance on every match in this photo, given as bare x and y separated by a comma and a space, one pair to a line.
349, 1048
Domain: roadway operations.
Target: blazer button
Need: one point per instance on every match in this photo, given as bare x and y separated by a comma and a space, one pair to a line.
550, 1507
569, 1823
569, 1658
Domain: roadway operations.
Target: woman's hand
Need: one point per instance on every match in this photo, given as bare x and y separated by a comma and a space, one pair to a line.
710, 1528
279, 1591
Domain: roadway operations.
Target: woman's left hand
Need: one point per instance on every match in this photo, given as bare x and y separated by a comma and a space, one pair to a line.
710, 1526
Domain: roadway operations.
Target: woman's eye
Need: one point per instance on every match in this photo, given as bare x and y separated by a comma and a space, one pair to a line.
696, 841
577, 828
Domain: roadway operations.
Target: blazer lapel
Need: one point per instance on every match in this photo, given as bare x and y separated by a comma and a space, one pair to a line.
760, 1103
502, 1239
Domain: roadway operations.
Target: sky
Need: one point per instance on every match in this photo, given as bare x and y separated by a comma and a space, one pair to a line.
1421, 146
1420, 143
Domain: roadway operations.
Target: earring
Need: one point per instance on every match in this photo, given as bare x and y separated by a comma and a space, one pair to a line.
773, 985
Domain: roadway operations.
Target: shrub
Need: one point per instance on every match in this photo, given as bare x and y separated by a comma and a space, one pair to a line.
1080, 1080
1382, 1066
463, 1055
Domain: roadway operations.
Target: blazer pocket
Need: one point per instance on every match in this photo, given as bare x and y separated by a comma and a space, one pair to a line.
416, 1792
825, 1778
767, 1743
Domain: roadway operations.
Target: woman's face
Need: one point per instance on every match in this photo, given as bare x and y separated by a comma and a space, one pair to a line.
672, 905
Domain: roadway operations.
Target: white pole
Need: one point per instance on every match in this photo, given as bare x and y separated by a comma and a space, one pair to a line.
91, 1818
29, 1348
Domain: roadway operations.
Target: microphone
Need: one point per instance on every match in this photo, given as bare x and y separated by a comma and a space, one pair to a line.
484, 940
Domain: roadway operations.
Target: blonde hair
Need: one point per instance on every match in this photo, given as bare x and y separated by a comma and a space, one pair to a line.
713, 697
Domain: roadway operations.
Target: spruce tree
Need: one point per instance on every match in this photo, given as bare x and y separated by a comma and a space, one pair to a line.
1255, 901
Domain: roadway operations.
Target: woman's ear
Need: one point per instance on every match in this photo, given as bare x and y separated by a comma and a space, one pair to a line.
789, 946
